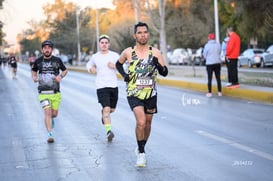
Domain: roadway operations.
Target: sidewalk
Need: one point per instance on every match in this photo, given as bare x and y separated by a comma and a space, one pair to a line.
248, 92
254, 93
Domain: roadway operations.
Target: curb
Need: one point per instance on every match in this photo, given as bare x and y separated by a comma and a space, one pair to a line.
241, 93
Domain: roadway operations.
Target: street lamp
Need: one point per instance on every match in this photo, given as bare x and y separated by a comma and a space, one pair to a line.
216, 21
78, 35
136, 7
1, 37
1, 4
97, 27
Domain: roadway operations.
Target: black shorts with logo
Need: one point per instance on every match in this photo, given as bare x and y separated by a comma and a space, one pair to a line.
150, 105
108, 96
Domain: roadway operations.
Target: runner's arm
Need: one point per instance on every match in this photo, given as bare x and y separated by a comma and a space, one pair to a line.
119, 65
159, 63
62, 75
34, 76
90, 66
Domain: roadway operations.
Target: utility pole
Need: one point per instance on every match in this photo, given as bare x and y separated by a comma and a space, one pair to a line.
1, 4
216, 20
1, 32
78, 35
1, 38
136, 7
97, 28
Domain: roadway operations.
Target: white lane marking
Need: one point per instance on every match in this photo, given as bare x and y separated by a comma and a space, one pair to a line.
237, 145
19, 154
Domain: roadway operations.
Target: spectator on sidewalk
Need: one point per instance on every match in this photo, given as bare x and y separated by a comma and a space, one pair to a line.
232, 54
211, 53
223, 48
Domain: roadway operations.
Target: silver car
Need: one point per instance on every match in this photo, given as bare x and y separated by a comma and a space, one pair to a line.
267, 57
251, 57
197, 57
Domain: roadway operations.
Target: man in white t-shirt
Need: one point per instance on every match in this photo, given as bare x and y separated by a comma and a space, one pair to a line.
102, 64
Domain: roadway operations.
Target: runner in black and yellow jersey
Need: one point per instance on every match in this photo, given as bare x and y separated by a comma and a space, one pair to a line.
145, 62
48, 71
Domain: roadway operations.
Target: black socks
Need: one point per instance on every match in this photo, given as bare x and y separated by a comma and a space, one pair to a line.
141, 145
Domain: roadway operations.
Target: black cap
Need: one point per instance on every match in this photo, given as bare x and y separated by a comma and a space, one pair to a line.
48, 42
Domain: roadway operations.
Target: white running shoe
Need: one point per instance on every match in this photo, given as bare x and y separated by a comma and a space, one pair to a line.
228, 84
141, 160
136, 151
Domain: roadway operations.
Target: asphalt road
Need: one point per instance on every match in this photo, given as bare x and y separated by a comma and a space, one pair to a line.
194, 138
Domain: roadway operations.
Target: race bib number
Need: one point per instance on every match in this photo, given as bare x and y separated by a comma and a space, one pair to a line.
45, 103
144, 82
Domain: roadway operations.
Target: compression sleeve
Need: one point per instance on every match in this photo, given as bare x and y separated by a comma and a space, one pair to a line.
120, 69
162, 70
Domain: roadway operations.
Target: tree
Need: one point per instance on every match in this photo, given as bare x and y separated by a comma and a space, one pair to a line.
268, 22
252, 19
121, 36
119, 23
64, 29
161, 28
1, 33
188, 23
30, 45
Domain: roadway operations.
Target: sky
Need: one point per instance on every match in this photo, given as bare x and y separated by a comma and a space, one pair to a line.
16, 13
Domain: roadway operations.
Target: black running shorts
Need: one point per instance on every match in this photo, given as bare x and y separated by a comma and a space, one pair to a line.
13, 65
108, 97
150, 105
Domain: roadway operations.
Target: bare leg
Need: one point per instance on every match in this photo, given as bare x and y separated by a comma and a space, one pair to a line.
143, 128
48, 117
106, 115
54, 113
148, 124
107, 122
140, 122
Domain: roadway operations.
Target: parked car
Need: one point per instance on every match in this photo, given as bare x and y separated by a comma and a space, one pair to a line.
267, 57
251, 57
179, 56
64, 58
197, 57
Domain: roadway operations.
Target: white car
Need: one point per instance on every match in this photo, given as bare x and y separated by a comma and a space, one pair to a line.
64, 58
179, 56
